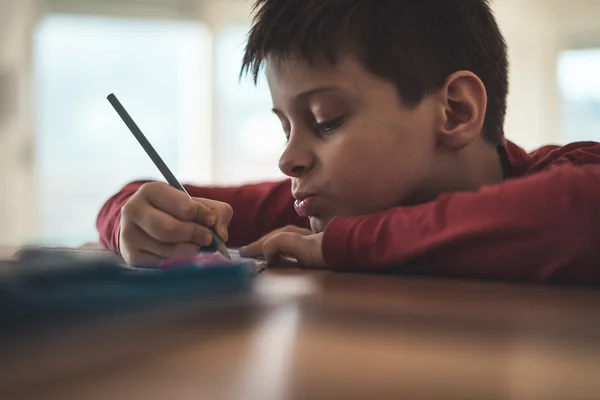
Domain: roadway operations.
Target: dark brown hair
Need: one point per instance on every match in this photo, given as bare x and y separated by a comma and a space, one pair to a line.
416, 44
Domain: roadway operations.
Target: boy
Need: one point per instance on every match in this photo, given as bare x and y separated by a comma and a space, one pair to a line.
394, 112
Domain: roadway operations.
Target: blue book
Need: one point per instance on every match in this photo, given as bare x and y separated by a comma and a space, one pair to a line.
49, 286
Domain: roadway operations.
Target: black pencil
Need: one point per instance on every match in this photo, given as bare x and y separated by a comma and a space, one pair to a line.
160, 164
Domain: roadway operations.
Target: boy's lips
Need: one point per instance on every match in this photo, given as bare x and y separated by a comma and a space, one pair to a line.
305, 204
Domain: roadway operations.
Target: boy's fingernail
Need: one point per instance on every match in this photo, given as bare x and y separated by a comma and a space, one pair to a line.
211, 219
223, 232
243, 250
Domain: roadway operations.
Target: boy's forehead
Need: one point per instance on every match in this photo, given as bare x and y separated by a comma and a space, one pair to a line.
299, 75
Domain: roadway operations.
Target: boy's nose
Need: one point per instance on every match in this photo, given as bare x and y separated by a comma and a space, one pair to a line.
296, 160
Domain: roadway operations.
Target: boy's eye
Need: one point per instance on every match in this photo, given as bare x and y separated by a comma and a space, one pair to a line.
329, 126
286, 131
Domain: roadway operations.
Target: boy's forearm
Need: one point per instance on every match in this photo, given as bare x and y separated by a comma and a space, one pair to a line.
109, 218
542, 227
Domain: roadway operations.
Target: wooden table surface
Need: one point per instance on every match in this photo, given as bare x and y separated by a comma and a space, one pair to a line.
322, 335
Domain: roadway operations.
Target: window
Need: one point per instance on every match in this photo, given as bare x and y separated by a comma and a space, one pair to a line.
579, 85
179, 81
159, 69
249, 137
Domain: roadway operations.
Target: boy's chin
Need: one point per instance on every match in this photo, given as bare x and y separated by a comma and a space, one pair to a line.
317, 225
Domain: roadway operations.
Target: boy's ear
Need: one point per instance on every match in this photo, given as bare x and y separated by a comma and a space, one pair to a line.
464, 101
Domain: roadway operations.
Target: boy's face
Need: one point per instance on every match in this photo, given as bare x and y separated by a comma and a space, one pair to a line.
353, 147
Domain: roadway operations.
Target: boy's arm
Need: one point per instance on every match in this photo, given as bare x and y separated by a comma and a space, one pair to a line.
258, 209
541, 227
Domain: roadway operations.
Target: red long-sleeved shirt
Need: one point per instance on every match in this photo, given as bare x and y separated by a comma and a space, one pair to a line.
541, 225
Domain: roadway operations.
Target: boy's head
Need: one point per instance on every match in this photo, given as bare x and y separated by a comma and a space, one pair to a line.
384, 102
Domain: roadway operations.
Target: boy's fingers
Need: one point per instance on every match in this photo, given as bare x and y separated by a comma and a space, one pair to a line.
141, 258
285, 243
168, 250
142, 245
176, 203
166, 229
256, 248
253, 249
223, 212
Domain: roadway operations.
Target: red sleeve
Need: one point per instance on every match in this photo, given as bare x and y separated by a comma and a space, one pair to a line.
543, 227
257, 209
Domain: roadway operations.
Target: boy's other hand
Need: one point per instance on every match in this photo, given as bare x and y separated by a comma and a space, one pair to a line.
292, 241
159, 222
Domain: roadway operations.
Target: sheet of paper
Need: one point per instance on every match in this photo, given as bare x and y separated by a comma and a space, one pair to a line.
261, 264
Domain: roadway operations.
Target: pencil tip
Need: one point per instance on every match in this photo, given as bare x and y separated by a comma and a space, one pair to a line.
223, 250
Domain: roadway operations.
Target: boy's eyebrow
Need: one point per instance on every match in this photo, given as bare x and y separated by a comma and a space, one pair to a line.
312, 92
318, 90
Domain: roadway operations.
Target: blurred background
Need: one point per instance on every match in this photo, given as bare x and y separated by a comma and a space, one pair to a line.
174, 65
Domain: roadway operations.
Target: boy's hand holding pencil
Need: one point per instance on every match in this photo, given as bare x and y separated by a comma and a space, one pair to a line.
159, 222
151, 224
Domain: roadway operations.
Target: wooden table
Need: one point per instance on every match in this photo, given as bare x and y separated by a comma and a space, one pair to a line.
321, 335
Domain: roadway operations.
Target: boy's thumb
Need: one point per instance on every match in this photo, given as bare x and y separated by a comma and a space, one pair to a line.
224, 214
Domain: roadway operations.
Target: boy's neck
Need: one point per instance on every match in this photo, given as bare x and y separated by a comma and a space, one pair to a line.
466, 170
482, 165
